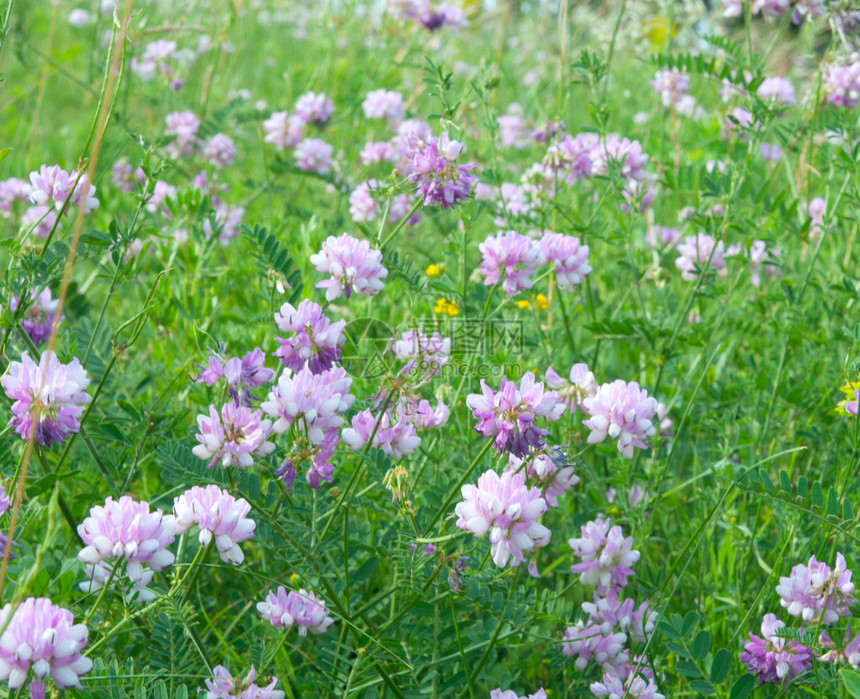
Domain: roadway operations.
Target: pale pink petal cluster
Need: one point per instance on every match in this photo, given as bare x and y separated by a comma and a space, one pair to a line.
622, 411
510, 258
606, 555
233, 437
302, 609
353, 266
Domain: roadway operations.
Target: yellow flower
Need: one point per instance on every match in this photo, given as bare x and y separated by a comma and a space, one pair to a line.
657, 29
523, 304
849, 389
294, 579
448, 306
542, 303
435, 270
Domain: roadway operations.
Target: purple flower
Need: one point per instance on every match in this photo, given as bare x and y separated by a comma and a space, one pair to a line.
183, 127
353, 266
626, 153
241, 375
313, 106
395, 437
508, 415
633, 686
572, 393
506, 508
610, 612
434, 169
283, 131
568, 256
316, 342
429, 354
363, 207
514, 203
41, 637
11, 190
671, 85
5, 503
816, 209
126, 177
302, 609
314, 155
696, 251
548, 467
587, 641
777, 90
815, 591
49, 397
606, 555
377, 152
54, 185
577, 155
127, 529
772, 659
514, 130
161, 191
218, 514
423, 416
40, 316
499, 693
759, 254
383, 104
225, 686
515, 255
234, 437
841, 83
315, 400
40, 218
661, 236
220, 150
411, 136
621, 410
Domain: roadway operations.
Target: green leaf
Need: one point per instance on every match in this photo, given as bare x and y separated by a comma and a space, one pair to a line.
817, 495
691, 621
721, 665
832, 502
784, 482
688, 669
365, 571
701, 645
702, 687
847, 510
743, 687
851, 680
160, 690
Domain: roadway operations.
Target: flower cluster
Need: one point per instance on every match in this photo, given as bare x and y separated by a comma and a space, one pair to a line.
841, 83
672, 86
316, 341
233, 437
216, 513
302, 609
500, 693
52, 186
49, 397
814, 591
699, 252
573, 392
508, 415
773, 659
384, 104
41, 638
40, 315
225, 686
240, 374
440, 179
606, 555
127, 529
429, 15
549, 468
620, 410
353, 266
509, 510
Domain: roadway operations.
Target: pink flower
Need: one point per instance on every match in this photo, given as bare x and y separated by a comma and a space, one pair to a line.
505, 507
127, 529
314, 155
220, 150
316, 342
440, 179
40, 316
241, 375
759, 262
49, 393
671, 85
283, 131
815, 591
216, 513
11, 190
313, 106
301, 609
377, 152
572, 393
384, 104
363, 207
161, 191
606, 555
40, 218
628, 155
634, 686
774, 660
778, 90
225, 686
514, 130
395, 437
353, 266
43, 638
515, 255
816, 209
568, 256
183, 126
315, 401
841, 83
621, 410
508, 416
550, 469
234, 438
588, 642
699, 252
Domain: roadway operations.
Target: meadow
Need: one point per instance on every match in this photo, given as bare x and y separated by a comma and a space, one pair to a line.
424, 349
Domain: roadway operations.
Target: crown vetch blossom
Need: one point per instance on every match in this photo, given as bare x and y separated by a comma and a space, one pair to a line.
40, 315
671, 85
434, 169
220, 150
363, 207
841, 83
634, 686
127, 529
548, 467
316, 399
384, 104
572, 393
302, 609
183, 126
11, 190
778, 90
225, 686
568, 256
378, 152
234, 437
98, 575
606, 555
609, 612
218, 514
241, 375
42, 637
509, 510
283, 131
774, 660
587, 641
508, 414
314, 155
395, 436
353, 266
316, 342
55, 185
313, 106
517, 255
623, 410
429, 354
514, 130
499, 693
815, 591
628, 154
49, 393
694, 252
